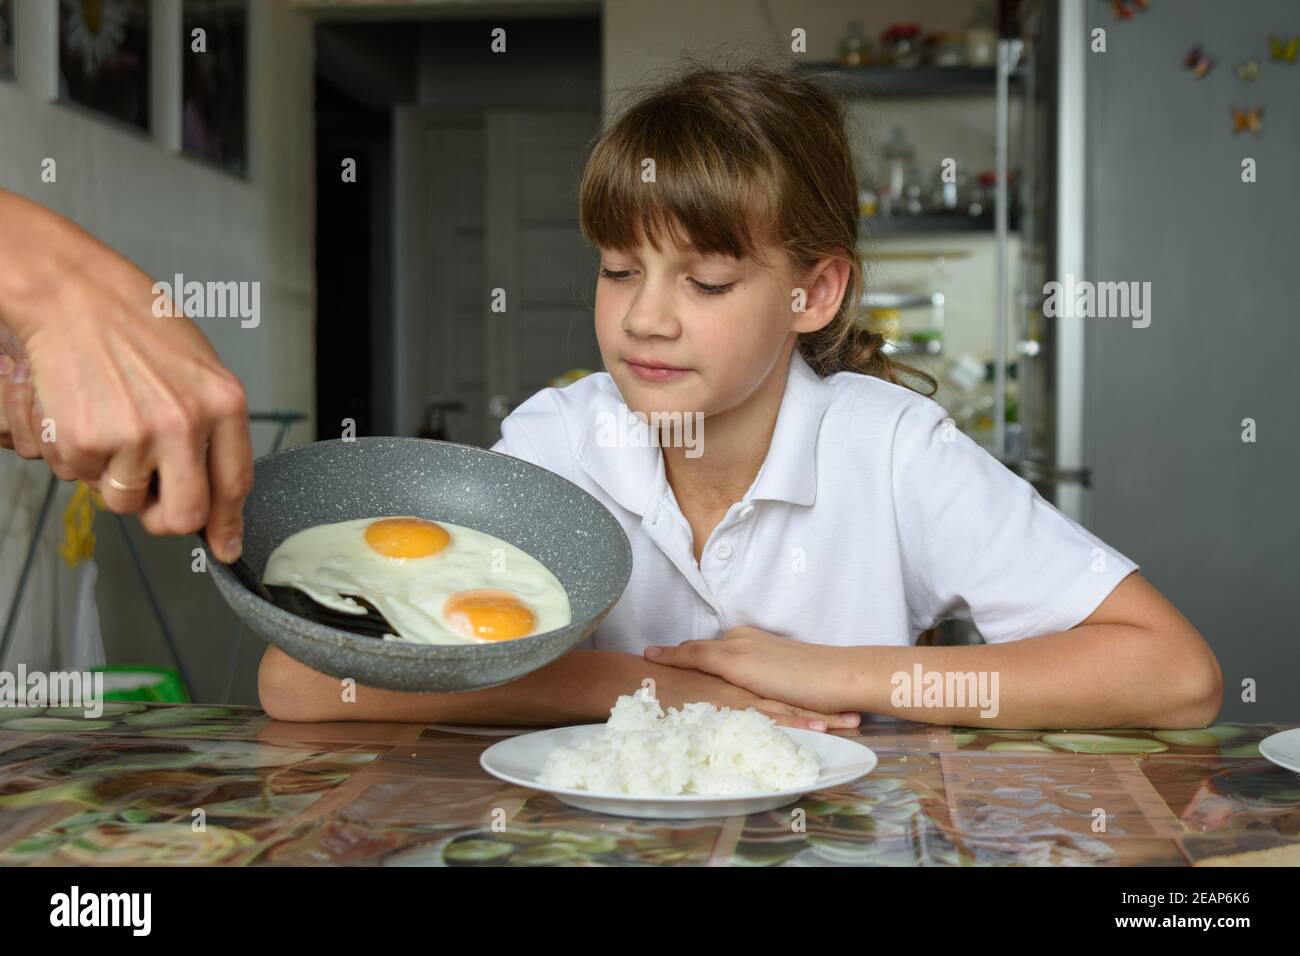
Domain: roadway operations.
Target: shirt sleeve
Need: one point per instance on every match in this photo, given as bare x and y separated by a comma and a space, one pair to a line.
535, 433
514, 441
979, 543
541, 415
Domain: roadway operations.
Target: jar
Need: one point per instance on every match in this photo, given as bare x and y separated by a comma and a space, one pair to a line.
911, 200
981, 47
854, 48
988, 181
887, 323
946, 49
977, 200
946, 196
868, 203
899, 157
901, 45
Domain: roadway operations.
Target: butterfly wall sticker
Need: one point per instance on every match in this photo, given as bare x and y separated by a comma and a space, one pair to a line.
1284, 51
1248, 72
1246, 120
1124, 8
1198, 61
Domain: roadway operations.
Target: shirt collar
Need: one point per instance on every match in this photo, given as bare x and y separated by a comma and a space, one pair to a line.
789, 472
614, 447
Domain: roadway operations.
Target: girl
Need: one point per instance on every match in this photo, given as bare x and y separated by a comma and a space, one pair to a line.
789, 552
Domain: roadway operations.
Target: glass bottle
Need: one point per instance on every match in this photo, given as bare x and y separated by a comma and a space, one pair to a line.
854, 48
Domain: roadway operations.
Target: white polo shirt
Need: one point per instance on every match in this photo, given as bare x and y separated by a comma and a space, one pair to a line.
871, 520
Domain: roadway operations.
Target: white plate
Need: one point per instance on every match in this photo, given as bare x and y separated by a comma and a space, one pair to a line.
520, 761
476, 731
1283, 748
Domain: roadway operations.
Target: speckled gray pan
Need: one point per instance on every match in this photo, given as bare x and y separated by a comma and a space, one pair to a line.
551, 518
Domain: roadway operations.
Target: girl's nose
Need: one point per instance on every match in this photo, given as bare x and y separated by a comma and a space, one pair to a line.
651, 314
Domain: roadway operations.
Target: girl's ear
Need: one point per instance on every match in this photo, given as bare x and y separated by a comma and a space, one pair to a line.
820, 295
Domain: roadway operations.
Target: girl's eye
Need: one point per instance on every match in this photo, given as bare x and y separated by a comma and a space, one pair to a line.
708, 289
616, 276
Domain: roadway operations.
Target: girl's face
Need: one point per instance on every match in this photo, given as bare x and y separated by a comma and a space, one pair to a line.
685, 332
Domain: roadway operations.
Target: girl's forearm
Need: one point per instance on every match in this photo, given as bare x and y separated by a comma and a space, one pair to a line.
1095, 675
578, 687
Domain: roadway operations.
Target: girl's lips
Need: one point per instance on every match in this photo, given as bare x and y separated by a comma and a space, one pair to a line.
655, 373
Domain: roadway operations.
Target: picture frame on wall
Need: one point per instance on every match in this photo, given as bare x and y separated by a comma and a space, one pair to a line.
104, 58
8, 40
214, 83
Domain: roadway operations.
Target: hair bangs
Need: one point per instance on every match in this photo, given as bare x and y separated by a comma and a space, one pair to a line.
677, 173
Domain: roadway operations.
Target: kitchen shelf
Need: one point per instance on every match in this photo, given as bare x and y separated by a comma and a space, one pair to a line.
880, 227
893, 81
902, 300
929, 347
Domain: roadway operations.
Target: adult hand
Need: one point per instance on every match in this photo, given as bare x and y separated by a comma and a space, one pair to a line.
109, 393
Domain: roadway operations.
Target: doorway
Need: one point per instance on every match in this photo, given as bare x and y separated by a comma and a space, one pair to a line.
494, 280
451, 271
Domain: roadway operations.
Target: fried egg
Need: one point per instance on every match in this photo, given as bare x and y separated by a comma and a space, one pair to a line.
435, 582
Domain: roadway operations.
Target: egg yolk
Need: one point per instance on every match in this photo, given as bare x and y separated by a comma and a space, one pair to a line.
489, 614
406, 537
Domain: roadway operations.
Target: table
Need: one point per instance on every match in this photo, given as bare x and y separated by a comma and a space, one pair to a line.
225, 785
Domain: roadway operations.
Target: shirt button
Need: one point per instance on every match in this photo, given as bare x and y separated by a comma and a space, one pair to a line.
746, 511
723, 551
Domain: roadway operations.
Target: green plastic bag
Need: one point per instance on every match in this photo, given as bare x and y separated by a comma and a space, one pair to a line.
160, 685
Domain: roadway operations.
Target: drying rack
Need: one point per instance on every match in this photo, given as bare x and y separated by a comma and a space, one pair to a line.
285, 420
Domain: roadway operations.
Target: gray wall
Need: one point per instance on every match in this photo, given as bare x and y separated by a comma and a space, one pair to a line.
172, 214
1212, 521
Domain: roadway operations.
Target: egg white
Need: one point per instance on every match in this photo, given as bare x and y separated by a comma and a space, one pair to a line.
331, 561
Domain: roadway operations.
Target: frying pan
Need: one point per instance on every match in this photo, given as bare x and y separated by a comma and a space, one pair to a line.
549, 517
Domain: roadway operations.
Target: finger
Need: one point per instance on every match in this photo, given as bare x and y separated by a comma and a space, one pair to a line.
796, 720
844, 721
183, 497
836, 721
45, 430
689, 654
87, 463
230, 469
18, 410
124, 483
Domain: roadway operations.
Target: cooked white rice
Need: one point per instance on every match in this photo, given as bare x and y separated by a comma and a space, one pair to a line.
698, 749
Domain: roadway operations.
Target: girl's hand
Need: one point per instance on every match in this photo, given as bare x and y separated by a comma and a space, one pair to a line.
768, 665
124, 393
675, 688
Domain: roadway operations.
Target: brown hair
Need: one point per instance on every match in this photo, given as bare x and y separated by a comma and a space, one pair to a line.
741, 157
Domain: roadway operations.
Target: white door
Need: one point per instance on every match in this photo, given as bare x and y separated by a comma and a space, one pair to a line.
487, 201
537, 263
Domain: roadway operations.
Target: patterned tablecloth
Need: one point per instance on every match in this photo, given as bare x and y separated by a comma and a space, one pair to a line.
226, 785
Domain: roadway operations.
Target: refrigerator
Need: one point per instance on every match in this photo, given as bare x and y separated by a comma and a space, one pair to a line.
1171, 435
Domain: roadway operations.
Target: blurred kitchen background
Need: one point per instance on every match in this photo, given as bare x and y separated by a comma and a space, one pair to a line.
379, 169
